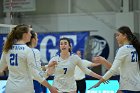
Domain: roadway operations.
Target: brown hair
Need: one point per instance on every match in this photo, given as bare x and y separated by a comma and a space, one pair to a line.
33, 35
16, 34
132, 39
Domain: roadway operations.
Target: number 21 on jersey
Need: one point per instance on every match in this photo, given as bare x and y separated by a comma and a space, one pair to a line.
13, 60
134, 56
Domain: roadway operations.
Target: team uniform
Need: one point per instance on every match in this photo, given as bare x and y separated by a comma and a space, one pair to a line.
37, 85
127, 59
37, 58
22, 69
64, 79
80, 76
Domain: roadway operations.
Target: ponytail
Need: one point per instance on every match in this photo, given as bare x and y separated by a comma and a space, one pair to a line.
16, 34
136, 45
132, 39
9, 41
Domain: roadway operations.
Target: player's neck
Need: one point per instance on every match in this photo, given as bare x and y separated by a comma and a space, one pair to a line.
20, 42
126, 43
64, 55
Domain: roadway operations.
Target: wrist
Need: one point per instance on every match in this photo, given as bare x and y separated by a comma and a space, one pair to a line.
102, 80
49, 86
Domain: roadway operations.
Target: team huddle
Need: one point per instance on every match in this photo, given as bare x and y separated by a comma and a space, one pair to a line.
23, 62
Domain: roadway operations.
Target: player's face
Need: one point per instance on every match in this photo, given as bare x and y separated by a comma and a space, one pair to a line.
36, 40
64, 45
27, 36
120, 38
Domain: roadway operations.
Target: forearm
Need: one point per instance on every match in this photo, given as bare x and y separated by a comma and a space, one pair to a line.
101, 81
93, 74
113, 70
43, 68
95, 64
2, 69
108, 74
3, 66
97, 84
103, 61
46, 84
107, 64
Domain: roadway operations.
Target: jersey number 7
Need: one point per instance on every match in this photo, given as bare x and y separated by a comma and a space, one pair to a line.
65, 70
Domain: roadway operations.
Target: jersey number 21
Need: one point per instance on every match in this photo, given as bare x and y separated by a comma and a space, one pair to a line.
134, 56
13, 60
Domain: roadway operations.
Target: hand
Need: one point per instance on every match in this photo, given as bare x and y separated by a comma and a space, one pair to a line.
98, 83
94, 86
98, 59
53, 90
43, 68
106, 82
50, 70
53, 63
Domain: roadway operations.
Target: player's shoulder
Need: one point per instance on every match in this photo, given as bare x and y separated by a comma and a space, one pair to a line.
35, 50
55, 56
125, 47
75, 56
27, 49
23, 47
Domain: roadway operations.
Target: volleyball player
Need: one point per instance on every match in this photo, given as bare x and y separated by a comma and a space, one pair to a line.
80, 75
64, 79
21, 62
127, 60
32, 44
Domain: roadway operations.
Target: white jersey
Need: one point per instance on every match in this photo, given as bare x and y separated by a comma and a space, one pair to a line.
64, 79
37, 58
79, 74
127, 60
22, 66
